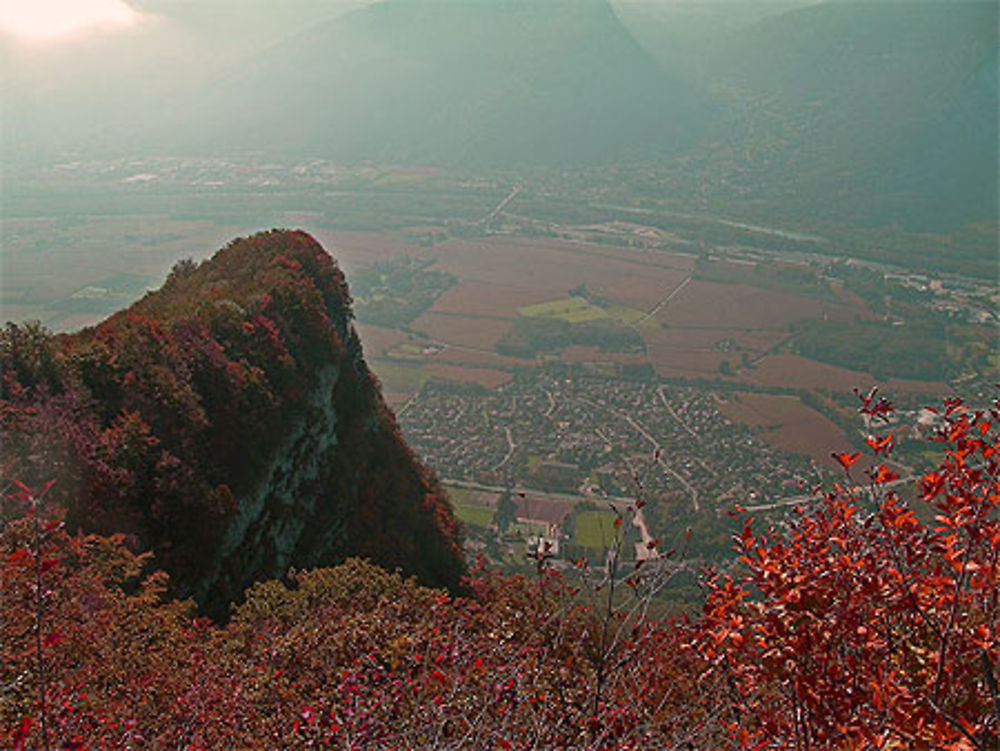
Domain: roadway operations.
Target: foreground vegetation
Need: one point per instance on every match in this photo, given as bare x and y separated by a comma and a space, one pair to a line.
856, 624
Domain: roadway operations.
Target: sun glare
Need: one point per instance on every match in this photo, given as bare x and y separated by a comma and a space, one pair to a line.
54, 19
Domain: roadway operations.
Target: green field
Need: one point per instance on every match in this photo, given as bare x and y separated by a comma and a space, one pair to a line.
474, 516
458, 495
594, 529
468, 512
623, 313
397, 378
529, 529
569, 309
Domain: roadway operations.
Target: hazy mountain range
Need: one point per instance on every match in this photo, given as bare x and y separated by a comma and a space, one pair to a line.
882, 113
494, 83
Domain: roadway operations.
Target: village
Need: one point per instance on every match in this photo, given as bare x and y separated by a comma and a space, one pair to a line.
599, 437
550, 443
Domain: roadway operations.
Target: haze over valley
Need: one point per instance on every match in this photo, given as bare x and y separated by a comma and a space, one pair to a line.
592, 245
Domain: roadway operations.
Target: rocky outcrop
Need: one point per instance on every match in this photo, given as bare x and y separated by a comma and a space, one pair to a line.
229, 423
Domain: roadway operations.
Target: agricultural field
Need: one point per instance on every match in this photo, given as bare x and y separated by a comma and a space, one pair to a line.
787, 370
625, 314
356, 251
399, 381
689, 363
749, 340
577, 353
73, 272
488, 378
379, 341
472, 515
594, 529
461, 330
644, 293
513, 302
569, 309
481, 299
551, 268
741, 306
481, 358
740, 326
786, 423
676, 352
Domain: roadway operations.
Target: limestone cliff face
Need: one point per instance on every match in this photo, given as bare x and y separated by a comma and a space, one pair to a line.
230, 423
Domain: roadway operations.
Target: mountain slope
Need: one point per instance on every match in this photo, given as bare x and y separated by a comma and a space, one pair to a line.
473, 82
882, 111
229, 422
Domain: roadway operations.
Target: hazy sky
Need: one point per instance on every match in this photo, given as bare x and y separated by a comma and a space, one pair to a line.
59, 19
54, 22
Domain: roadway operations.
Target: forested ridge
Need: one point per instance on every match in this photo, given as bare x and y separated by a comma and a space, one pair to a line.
228, 423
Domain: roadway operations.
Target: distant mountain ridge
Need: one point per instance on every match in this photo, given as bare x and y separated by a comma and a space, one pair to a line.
822, 115
228, 422
499, 82
886, 110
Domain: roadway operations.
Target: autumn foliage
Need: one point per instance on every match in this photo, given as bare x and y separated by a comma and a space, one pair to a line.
231, 403
871, 625
864, 621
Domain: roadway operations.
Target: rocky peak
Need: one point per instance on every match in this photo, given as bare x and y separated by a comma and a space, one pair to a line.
228, 422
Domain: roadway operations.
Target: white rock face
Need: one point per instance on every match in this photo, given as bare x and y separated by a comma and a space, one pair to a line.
261, 539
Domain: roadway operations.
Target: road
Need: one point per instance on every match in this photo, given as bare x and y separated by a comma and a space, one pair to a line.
552, 404
644, 549
565, 497
657, 452
809, 497
677, 417
500, 206
510, 450
659, 306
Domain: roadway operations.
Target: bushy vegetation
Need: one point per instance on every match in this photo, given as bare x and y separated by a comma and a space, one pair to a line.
529, 337
855, 624
393, 293
881, 348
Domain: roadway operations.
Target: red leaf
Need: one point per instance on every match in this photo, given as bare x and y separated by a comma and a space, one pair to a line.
885, 474
846, 460
879, 445
19, 556
932, 485
21, 734
24, 492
